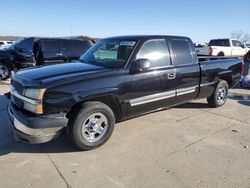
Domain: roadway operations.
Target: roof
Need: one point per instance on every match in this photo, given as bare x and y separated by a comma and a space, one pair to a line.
142, 37
225, 39
64, 38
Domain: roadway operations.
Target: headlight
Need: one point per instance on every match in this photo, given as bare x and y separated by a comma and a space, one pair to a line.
35, 93
35, 103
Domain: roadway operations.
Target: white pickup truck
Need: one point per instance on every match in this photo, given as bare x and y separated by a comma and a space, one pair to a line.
223, 47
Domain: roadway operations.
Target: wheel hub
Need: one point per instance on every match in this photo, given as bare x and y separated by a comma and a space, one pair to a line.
221, 94
94, 127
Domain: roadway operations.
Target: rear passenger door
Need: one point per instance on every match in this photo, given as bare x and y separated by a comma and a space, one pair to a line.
187, 69
51, 51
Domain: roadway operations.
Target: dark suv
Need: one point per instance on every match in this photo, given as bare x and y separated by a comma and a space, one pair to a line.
46, 50
54, 50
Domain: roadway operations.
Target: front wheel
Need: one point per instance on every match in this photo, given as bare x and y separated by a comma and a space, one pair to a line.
92, 126
5, 71
219, 96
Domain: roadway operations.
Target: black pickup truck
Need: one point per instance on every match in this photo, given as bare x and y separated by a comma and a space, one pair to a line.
116, 79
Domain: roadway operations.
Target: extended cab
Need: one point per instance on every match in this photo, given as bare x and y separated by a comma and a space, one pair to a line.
116, 79
223, 47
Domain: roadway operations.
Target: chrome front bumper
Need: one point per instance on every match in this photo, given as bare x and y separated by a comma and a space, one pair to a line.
34, 130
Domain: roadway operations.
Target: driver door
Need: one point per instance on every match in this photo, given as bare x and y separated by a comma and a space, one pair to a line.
155, 88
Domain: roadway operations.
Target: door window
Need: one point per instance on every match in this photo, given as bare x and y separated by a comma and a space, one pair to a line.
156, 51
51, 45
237, 43
66, 45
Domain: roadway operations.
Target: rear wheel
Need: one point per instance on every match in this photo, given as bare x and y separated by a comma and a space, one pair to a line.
92, 126
221, 54
219, 96
5, 71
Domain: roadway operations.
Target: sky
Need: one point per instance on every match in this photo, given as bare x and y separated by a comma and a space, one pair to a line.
200, 20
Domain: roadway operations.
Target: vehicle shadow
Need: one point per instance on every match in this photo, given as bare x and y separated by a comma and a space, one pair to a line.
58, 145
246, 103
193, 105
241, 99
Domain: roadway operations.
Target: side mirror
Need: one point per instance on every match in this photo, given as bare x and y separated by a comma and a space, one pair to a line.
140, 65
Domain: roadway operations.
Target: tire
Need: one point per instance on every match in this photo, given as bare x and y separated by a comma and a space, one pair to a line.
92, 126
5, 71
219, 97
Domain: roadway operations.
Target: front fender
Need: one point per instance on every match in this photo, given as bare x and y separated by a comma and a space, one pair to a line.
63, 102
83, 95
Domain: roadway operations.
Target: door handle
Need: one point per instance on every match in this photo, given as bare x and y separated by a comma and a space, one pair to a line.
171, 76
59, 54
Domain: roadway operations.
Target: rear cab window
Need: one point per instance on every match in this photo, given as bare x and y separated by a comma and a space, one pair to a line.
219, 42
156, 51
182, 51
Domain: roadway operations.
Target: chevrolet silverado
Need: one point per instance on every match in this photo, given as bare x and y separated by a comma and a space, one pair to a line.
116, 79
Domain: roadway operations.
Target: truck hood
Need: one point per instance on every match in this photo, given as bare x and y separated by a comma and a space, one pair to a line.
45, 76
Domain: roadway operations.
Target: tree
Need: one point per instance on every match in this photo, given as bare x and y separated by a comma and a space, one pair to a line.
240, 35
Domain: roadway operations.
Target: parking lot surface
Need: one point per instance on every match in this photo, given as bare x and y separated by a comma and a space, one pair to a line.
190, 145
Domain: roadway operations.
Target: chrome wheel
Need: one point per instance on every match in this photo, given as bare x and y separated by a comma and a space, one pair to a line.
94, 127
3, 71
221, 95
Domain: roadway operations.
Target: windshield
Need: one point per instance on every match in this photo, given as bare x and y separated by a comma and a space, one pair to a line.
109, 53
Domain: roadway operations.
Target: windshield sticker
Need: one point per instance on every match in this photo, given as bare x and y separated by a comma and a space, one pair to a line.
127, 43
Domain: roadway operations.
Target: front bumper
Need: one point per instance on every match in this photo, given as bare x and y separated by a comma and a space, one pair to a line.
32, 129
